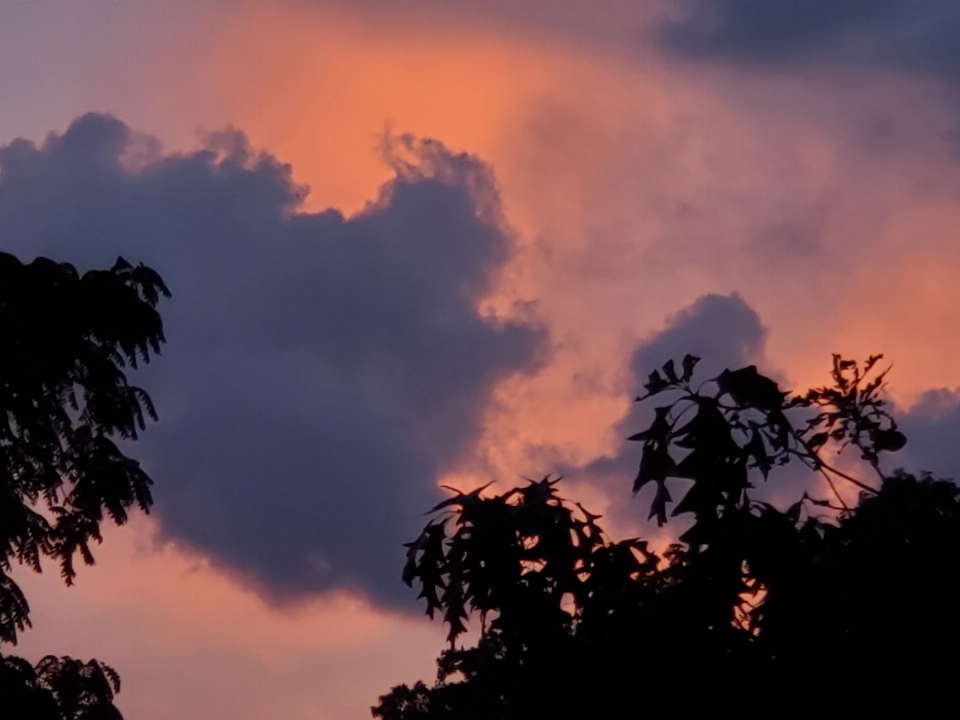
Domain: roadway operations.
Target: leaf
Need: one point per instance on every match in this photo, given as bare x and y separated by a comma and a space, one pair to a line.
427, 562
659, 429
889, 440
708, 430
758, 451
655, 465
669, 369
655, 384
658, 507
460, 498
749, 388
689, 363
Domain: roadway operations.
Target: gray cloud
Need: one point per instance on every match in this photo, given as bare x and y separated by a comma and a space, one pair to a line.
722, 330
597, 23
321, 371
913, 35
727, 333
932, 427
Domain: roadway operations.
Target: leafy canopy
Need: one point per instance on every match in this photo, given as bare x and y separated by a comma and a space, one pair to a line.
58, 689
65, 339
820, 609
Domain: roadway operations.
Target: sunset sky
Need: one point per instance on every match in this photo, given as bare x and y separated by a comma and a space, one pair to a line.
416, 243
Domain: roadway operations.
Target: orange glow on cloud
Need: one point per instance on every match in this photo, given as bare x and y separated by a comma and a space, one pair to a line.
914, 313
319, 90
634, 187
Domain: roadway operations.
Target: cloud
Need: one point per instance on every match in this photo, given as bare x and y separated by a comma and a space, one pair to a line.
725, 332
722, 330
321, 371
912, 35
932, 426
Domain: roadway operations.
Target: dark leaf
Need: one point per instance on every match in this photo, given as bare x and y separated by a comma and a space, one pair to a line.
669, 369
748, 388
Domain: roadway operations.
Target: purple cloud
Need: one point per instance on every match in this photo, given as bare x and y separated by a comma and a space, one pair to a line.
321, 372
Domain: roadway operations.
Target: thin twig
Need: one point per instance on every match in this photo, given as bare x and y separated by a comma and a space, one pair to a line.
859, 484
834, 488
819, 464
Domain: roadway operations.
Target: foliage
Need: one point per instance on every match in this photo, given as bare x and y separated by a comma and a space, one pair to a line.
714, 437
757, 612
57, 689
65, 340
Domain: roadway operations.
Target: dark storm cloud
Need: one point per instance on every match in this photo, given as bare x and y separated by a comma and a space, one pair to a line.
321, 371
913, 35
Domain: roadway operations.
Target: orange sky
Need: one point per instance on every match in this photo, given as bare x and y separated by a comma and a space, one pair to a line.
634, 186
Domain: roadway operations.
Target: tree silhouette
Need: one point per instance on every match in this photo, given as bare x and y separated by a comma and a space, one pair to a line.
64, 399
821, 609
58, 689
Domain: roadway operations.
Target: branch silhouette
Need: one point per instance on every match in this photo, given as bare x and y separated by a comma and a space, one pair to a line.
756, 612
65, 340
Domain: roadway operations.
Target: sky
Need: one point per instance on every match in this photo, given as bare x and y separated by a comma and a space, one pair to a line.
420, 244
